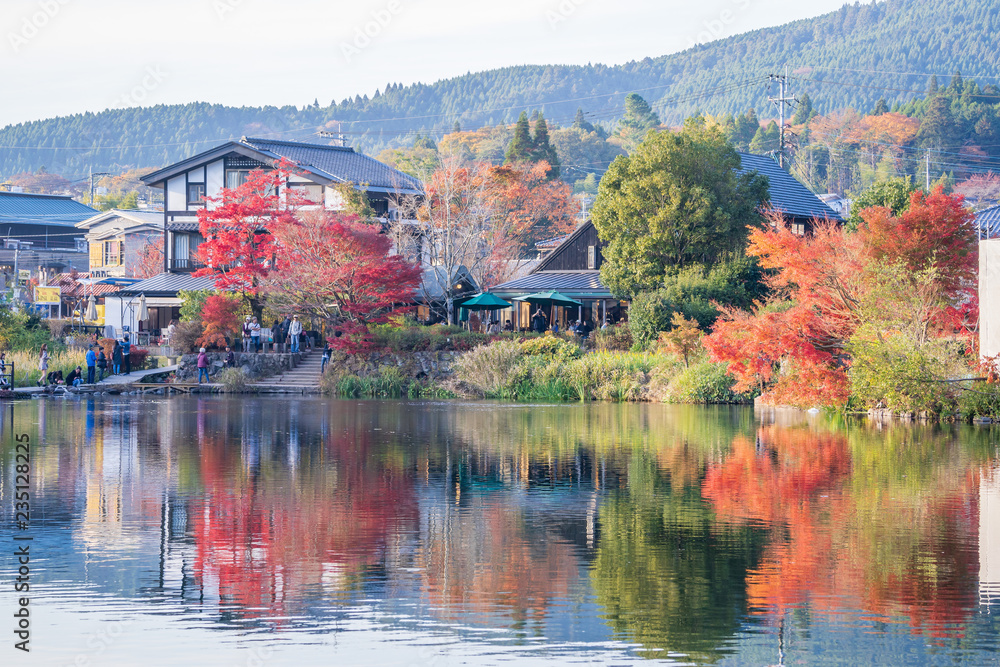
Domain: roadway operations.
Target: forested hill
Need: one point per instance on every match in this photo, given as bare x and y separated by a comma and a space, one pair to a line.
850, 57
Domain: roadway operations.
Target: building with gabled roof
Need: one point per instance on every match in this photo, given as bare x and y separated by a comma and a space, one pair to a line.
321, 168
42, 229
573, 267
116, 238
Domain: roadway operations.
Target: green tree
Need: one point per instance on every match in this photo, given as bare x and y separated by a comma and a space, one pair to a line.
881, 107
520, 147
580, 122
803, 111
893, 193
639, 119
542, 148
746, 126
766, 140
938, 126
677, 200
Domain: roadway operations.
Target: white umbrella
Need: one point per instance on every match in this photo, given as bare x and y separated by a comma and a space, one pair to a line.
91, 308
143, 310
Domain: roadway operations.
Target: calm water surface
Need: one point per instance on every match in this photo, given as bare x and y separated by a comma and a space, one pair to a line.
221, 531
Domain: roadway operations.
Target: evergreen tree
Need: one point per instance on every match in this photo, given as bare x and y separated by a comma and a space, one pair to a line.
457, 127
638, 114
932, 85
580, 122
520, 147
747, 126
803, 111
880, 107
542, 149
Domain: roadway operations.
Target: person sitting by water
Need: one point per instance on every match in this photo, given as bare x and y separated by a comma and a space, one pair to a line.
55, 378
75, 378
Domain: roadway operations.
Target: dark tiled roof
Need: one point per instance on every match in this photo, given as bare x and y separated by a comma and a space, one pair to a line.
338, 163
988, 221
17, 207
570, 283
183, 226
788, 195
169, 284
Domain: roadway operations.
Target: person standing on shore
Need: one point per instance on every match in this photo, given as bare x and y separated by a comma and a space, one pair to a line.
43, 364
116, 358
327, 350
255, 334
126, 354
230, 358
91, 364
294, 333
102, 364
202, 365
246, 334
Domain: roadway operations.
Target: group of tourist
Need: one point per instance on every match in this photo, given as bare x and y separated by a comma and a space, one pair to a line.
286, 334
582, 328
96, 360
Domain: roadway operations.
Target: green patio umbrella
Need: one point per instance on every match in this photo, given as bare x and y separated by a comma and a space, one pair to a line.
549, 299
485, 301
481, 302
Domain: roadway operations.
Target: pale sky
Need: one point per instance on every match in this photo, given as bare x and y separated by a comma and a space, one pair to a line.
60, 57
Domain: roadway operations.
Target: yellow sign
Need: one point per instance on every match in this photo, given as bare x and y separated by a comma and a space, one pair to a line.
47, 296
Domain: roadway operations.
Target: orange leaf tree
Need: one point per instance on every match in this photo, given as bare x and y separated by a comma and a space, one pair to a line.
220, 317
797, 345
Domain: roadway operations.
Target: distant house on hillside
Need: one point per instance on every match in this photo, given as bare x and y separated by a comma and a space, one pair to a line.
573, 267
116, 238
42, 229
187, 183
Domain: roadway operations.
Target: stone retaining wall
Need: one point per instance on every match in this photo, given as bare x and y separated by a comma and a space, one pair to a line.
256, 366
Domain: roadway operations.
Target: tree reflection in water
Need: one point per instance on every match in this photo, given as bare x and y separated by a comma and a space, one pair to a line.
673, 527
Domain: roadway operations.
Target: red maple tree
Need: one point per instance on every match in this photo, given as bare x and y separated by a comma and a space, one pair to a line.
239, 250
337, 268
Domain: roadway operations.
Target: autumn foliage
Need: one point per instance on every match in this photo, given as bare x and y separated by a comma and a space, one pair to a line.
335, 267
239, 251
795, 347
220, 319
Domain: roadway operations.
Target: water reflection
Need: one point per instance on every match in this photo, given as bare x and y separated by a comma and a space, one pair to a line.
667, 532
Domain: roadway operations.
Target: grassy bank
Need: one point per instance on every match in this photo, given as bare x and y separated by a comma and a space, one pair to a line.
519, 367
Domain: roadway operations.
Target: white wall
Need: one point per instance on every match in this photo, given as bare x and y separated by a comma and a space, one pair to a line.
989, 297
215, 178
177, 193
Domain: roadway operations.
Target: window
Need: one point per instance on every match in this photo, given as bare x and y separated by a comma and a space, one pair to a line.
236, 177
196, 194
114, 253
798, 228
310, 192
591, 257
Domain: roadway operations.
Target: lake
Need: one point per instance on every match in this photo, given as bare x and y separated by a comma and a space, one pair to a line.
301, 531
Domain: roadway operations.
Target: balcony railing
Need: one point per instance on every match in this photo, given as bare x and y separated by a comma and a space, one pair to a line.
185, 265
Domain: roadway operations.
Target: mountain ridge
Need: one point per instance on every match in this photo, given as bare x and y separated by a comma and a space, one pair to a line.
847, 58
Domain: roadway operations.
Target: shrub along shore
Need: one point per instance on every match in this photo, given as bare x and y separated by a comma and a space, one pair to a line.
450, 362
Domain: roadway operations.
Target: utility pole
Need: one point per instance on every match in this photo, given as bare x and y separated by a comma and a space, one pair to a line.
781, 101
927, 168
